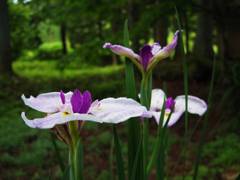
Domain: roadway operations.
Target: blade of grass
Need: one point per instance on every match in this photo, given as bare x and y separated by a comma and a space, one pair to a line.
111, 159
119, 158
157, 143
133, 124
185, 69
129, 68
79, 159
146, 84
185, 75
205, 124
191, 133
66, 173
58, 154
136, 161
162, 148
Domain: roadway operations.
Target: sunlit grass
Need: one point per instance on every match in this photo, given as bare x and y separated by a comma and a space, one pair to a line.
49, 69
55, 45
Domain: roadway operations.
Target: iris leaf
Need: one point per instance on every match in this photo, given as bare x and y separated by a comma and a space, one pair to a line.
205, 124
133, 124
119, 158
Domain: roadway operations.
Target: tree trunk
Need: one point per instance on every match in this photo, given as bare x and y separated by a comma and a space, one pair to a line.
229, 27
203, 42
161, 30
63, 32
5, 48
133, 15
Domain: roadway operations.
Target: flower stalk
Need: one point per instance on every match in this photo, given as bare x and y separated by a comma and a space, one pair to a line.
73, 152
145, 98
76, 161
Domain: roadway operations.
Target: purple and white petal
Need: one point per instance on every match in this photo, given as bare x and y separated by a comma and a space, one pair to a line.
62, 96
195, 104
116, 110
175, 116
121, 50
57, 118
157, 100
46, 102
167, 50
156, 115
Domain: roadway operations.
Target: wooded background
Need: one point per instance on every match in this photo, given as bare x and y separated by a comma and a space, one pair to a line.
207, 24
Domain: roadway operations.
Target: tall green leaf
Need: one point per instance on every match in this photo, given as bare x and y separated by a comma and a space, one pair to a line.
111, 160
133, 124
58, 154
205, 124
119, 158
156, 149
146, 87
185, 68
79, 160
185, 75
76, 161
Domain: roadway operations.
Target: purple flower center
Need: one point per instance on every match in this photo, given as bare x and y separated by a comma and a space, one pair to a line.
146, 55
62, 96
81, 102
169, 103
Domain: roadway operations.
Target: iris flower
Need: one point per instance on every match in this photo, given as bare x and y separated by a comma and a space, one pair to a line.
176, 107
72, 106
148, 56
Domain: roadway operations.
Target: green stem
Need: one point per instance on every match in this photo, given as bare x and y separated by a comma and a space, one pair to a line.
119, 157
58, 154
146, 84
72, 163
73, 129
75, 153
185, 74
205, 124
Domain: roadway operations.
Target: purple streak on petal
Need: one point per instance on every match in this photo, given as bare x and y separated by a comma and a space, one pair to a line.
62, 96
146, 55
86, 102
173, 44
169, 103
76, 101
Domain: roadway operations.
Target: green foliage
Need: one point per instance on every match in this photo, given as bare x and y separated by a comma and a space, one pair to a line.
26, 148
104, 175
51, 50
24, 32
20, 146
48, 31
224, 151
236, 74
48, 69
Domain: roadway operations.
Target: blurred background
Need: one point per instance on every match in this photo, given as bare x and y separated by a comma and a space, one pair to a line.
53, 45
